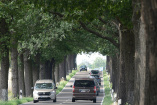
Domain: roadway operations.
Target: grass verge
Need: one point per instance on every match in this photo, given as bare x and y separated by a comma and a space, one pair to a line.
63, 82
16, 101
107, 99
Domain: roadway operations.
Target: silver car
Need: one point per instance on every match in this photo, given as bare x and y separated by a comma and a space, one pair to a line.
43, 90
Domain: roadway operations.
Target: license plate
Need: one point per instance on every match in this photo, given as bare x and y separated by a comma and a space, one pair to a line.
84, 90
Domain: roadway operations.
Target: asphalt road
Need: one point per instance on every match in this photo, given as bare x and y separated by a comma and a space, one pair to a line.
65, 96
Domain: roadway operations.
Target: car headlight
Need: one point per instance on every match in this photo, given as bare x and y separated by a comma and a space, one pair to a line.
52, 92
35, 92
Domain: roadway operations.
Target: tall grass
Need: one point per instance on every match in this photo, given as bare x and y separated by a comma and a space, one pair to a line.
107, 99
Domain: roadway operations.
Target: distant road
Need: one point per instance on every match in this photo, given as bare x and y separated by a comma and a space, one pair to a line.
65, 97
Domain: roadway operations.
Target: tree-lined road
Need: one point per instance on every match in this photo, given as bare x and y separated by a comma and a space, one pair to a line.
65, 97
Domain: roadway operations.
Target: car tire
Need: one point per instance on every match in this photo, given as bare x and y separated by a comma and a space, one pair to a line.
54, 100
94, 100
34, 101
73, 100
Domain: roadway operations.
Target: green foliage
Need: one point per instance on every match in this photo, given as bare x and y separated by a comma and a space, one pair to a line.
99, 62
107, 99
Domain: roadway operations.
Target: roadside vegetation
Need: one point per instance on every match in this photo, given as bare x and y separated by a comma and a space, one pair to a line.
107, 99
64, 82
15, 101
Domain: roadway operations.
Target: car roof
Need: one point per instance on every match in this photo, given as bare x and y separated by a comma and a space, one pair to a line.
94, 70
90, 78
44, 81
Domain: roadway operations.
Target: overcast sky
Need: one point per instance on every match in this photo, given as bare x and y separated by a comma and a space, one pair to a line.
89, 58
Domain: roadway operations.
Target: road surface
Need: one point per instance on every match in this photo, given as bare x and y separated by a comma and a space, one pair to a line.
65, 96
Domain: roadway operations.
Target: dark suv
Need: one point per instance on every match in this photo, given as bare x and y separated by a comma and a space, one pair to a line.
95, 72
84, 89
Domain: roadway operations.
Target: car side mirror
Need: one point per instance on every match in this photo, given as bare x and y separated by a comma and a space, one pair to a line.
56, 88
32, 88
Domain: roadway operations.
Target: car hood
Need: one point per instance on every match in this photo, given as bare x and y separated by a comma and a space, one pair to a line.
43, 90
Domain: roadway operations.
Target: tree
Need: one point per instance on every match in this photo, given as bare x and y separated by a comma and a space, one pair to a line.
99, 62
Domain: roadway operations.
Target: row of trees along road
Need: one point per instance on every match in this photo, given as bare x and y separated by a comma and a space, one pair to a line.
52, 30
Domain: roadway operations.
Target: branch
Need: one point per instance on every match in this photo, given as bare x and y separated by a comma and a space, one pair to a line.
58, 14
99, 35
102, 20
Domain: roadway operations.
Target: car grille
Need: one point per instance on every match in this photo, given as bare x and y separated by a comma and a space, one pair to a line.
43, 93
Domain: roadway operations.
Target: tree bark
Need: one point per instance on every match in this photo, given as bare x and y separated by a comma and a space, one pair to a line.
53, 68
62, 71
114, 73
107, 64
146, 76
48, 68
28, 74
21, 74
14, 65
36, 68
4, 75
140, 53
127, 51
42, 70
56, 73
68, 64
4, 54
75, 65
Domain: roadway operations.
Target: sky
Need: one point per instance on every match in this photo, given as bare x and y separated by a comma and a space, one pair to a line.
88, 57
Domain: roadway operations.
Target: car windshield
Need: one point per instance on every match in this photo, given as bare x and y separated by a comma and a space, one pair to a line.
44, 86
84, 83
83, 66
95, 72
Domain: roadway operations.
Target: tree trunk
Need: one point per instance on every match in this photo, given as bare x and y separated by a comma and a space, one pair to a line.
66, 65
146, 76
28, 74
56, 73
48, 68
4, 54
114, 73
69, 63
4, 75
127, 51
117, 87
35, 68
21, 74
75, 65
42, 70
62, 70
107, 64
53, 68
14, 65
140, 54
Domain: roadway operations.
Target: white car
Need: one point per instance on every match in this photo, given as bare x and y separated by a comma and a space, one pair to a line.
44, 89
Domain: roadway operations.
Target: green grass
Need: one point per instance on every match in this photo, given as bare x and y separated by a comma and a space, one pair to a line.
17, 101
107, 99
